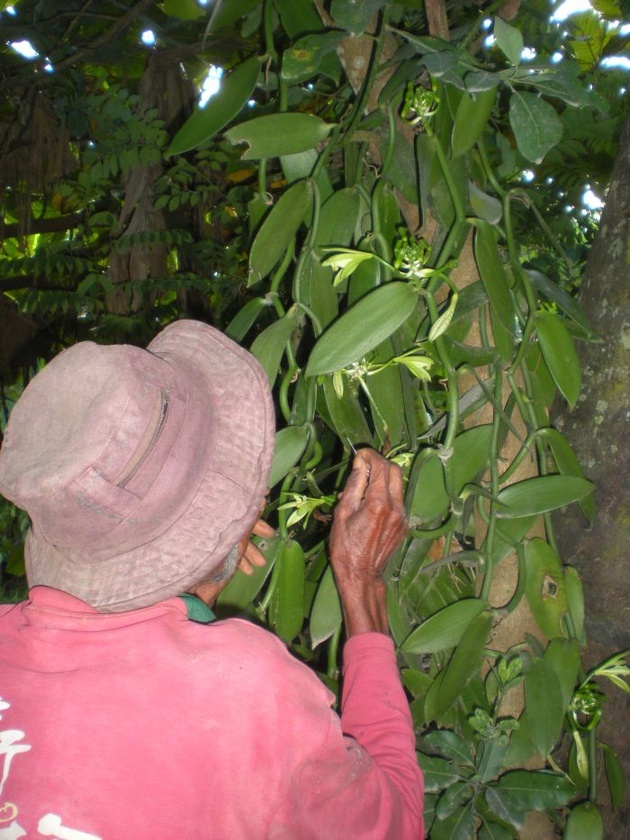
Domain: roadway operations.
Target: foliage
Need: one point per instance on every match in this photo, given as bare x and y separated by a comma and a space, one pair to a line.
440, 339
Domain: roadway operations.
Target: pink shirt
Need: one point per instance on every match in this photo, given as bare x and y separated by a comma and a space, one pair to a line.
147, 726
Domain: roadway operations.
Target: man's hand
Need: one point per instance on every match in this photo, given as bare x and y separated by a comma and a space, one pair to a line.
369, 525
247, 557
250, 554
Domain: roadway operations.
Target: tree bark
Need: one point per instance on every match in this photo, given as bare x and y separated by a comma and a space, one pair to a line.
597, 429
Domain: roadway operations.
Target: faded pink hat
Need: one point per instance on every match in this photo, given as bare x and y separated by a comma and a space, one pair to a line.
140, 469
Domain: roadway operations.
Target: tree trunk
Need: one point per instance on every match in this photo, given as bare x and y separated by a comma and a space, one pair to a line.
595, 428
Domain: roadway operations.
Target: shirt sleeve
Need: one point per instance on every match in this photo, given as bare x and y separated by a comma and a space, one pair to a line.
364, 781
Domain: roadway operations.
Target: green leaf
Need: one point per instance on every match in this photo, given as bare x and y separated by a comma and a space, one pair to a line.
584, 823
614, 776
507, 535
544, 587
313, 286
563, 657
345, 263
451, 745
536, 125
485, 206
541, 494
388, 390
270, 345
326, 612
297, 16
275, 135
493, 274
418, 365
545, 706
303, 58
521, 747
445, 628
278, 229
493, 831
560, 355
424, 507
592, 37
244, 319
235, 91
338, 218
503, 338
566, 302
492, 759
453, 798
256, 209
286, 611
473, 113
536, 790
562, 82
470, 456
443, 322
438, 773
416, 682
242, 589
228, 13
298, 166
459, 826
568, 464
290, 445
462, 667
346, 415
354, 16
509, 40
15, 561
502, 807
575, 599
362, 328
182, 9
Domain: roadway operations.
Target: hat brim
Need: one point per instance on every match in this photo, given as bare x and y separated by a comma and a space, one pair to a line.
225, 505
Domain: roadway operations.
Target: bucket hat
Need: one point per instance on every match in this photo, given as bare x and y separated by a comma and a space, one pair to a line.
140, 469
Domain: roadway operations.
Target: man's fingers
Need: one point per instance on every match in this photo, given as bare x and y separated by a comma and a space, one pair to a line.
396, 486
263, 529
254, 555
356, 484
251, 559
245, 567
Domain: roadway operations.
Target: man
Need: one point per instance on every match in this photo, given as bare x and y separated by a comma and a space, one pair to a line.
144, 473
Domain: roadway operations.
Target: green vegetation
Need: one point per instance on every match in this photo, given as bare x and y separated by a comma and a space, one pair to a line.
351, 207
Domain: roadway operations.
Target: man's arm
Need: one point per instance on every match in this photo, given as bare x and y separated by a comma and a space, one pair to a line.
367, 784
369, 525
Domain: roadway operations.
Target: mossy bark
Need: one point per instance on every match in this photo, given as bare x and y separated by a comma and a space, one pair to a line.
598, 430
597, 427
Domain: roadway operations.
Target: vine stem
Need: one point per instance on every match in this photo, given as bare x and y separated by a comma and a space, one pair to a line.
262, 178
366, 87
333, 654
453, 398
555, 242
380, 184
494, 483
487, 167
592, 765
283, 515
527, 288
460, 217
270, 47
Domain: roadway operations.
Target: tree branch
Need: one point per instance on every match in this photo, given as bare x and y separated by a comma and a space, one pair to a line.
437, 19
120, 25
59, 224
